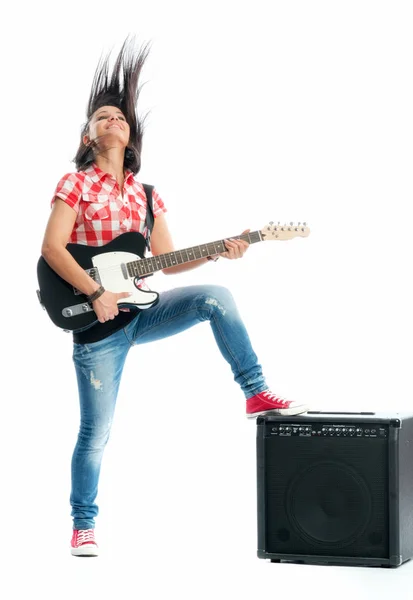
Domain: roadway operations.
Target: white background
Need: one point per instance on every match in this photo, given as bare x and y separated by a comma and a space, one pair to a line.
259, 111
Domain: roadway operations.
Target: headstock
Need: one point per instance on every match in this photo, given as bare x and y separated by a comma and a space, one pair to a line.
277, 231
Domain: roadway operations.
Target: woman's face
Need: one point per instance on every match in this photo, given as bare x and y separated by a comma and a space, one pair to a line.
108, 128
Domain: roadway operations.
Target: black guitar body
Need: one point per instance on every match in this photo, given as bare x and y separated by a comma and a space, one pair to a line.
68, 308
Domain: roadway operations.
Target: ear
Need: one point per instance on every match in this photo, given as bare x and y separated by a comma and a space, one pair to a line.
86, 140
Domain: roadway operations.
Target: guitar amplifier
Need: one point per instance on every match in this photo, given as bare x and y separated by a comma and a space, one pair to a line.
335, 488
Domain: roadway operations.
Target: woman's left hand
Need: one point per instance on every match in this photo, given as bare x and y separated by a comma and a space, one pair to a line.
235, 248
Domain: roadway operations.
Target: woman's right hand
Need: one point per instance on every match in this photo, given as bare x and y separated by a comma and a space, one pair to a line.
106, 306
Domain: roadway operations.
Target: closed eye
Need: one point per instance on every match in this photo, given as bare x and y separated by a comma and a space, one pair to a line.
103, 116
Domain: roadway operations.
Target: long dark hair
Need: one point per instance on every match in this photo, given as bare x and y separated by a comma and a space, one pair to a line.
121, 89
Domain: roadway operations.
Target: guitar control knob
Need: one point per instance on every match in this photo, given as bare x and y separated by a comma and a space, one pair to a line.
67, 312
85, 307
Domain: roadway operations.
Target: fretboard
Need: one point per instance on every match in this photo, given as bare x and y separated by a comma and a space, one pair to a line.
147, 266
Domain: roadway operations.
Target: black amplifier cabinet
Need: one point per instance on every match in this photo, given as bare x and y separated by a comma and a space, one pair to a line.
335, 488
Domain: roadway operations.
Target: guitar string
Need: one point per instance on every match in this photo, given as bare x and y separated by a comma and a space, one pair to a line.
157, 259
167, 256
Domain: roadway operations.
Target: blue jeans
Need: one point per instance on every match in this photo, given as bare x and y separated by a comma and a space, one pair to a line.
99, 368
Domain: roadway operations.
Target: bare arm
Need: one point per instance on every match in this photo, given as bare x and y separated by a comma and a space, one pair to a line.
57, 234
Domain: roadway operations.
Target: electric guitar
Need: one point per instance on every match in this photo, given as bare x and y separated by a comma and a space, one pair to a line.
120, 265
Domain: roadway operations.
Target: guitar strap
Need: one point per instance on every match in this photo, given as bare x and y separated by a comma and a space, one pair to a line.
150, 219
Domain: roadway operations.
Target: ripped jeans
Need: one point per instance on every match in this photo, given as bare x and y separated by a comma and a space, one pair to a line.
99, 368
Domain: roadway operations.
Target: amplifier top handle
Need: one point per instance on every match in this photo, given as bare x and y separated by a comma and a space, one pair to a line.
323, 412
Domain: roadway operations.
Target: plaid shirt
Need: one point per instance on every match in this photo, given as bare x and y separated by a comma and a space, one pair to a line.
101, 212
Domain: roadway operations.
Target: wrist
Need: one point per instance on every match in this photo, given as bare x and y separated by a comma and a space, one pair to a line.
96, 294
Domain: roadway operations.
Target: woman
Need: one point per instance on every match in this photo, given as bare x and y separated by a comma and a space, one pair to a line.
94, 205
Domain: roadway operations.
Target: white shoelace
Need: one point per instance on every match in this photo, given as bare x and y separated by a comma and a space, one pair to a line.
273, 398
85, 536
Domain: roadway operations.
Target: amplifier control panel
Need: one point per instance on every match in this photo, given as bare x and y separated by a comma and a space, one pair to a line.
364, 430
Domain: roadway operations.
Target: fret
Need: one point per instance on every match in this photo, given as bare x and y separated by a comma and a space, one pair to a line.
158, 262
138, 268
147, 266
197, 252
173, 258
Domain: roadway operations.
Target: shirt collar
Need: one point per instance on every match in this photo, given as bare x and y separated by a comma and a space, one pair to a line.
96, 174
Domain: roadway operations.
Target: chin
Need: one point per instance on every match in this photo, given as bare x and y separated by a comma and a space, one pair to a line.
109, 140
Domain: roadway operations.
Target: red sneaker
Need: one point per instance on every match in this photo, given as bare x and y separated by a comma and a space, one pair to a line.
83, 543
267, 402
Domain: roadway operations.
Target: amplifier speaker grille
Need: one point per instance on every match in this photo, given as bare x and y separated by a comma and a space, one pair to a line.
329, 498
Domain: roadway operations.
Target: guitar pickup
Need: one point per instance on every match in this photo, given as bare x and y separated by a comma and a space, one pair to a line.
124, 270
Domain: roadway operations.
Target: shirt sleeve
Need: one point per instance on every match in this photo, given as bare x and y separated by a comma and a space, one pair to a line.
69, 189
158, 205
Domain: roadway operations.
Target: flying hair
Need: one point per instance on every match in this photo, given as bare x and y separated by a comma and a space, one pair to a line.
119, 87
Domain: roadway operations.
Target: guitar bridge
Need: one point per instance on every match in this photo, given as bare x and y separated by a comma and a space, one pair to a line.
94, 274
76, 309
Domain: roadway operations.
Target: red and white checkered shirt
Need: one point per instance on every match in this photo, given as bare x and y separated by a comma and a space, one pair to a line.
102, 213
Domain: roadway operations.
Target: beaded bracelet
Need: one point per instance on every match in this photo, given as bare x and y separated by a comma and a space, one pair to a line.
214, 259
97, 294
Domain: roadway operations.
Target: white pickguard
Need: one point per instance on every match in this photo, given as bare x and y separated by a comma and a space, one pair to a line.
111, 277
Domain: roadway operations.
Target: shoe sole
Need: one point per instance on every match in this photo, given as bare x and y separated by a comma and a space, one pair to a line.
281, 412
86, 550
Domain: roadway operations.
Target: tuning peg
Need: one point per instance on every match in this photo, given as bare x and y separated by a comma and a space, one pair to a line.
305, 224
291, 223
271, 222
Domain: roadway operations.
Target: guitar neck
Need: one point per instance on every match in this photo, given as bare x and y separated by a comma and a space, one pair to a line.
147, 266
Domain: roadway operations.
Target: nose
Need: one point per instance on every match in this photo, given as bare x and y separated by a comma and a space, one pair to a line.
113, 117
